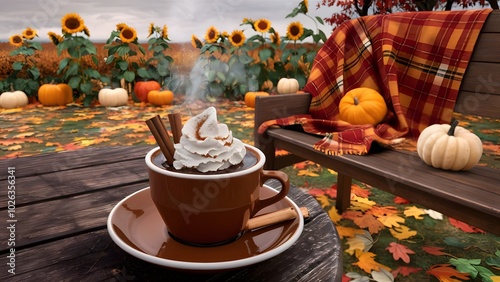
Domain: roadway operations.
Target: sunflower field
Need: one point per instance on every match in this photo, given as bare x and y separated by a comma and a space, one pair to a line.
223, 64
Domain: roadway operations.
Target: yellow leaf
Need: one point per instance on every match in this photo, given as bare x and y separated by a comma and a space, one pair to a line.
323, 200
12, 110
355, 244
123, 116
14, 148
402, 232
80, 117
307, 172
415, 212
362, 204
334, 215
24, 135
331, 171
88, 142
364, 200
367, 263
53, 128
391, 220
53, 144
347, 232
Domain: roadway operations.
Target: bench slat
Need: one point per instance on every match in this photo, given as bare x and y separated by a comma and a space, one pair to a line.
473, 197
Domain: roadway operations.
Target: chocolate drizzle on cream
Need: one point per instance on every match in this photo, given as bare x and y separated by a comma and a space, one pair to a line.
207, 145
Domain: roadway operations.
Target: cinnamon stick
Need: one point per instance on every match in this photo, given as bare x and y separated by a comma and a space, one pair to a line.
274, 217
175, 126
164, 134
162, 139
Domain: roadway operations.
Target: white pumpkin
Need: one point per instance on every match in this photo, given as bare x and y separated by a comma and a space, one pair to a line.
113, 97
14, 99
288, 86
449, 147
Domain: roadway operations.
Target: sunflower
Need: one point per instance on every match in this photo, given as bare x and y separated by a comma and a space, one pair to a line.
247, 21
86, 31
128, 34
29, 33
151, 29
120, 26
275, 38
195, 42
55, 38
164, 32
294, 31
237, 38
305, 6
72, 23
211, 35
16, 40
262, 25
225, 34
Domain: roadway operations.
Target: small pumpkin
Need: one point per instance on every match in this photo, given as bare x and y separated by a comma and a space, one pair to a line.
449, 147
13, 99
55, 94
362, 106
250, 97
142, 88
160, 97
288, 86
113, 97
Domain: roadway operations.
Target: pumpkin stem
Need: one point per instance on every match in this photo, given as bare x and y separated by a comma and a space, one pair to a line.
12, 87
454, 124
356, 101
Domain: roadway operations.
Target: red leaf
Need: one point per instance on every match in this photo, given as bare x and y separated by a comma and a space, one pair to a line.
399, 251
405, 271
401, 201
345, 278
464, 226
316, 192
370, 222
351, 215
360, 192
332, 191
444, 272
434, 250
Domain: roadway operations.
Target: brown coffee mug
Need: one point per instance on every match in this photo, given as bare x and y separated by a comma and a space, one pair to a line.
211, 208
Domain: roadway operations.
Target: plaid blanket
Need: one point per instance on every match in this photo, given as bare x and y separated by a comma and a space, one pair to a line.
416, 60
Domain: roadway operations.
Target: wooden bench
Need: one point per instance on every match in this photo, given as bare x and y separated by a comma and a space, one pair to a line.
472, 196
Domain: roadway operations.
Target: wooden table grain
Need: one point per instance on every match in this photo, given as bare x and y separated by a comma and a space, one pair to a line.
62, 202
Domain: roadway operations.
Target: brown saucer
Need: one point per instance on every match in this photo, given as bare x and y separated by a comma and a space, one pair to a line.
135, 225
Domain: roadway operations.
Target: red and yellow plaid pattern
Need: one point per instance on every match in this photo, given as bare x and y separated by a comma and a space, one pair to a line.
416, 60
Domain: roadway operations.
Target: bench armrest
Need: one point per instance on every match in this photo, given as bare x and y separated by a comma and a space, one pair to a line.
280, 106
274, 107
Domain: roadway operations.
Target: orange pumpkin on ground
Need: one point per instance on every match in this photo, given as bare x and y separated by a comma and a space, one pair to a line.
55, 94
250, 97
362, 106
160, 97
142, 88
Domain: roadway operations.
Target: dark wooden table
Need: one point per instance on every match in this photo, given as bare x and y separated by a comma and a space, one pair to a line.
58, 224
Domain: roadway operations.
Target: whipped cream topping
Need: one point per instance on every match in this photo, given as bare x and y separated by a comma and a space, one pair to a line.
207, 145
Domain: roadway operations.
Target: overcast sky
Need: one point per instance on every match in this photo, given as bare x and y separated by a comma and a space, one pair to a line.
182, 17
